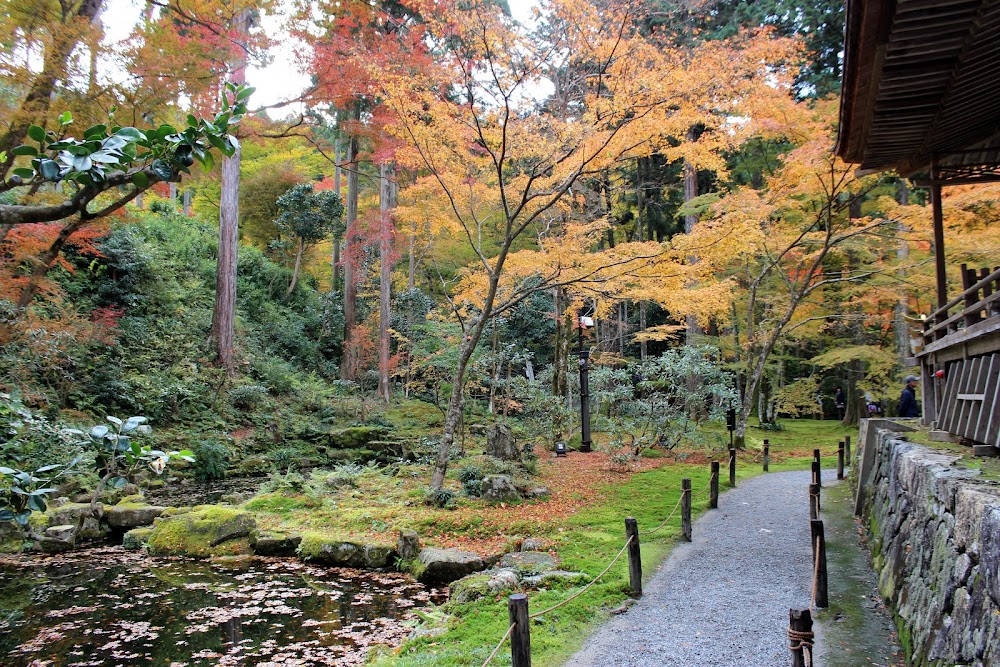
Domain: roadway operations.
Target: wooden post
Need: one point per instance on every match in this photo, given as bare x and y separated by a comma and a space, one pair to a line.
970, 278
847, 448
816, 474
840, 460
813, 502
634, 559
819, 563
713, 485
817, 456
732, 467
686, 508
520, 638
767, 454
800, 635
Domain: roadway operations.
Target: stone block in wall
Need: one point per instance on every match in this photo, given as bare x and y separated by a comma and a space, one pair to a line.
970, 505
989, 561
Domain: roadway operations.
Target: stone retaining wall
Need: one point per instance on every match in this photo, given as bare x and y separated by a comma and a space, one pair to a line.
934, 530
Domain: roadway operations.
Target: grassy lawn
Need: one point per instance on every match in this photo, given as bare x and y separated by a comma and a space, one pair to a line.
581, 522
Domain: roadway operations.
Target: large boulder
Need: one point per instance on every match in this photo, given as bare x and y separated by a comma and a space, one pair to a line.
482, 584
203, 532
57, 539
529, 562
84, 517
136, 539
356, 437
408, 544
442, 566
275, 544
500, 443
328, 550
132, 515
499, 488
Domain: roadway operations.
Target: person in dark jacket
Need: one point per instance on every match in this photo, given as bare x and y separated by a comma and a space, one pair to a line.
908, 399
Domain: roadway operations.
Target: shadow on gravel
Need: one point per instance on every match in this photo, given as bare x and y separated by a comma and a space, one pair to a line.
856, 630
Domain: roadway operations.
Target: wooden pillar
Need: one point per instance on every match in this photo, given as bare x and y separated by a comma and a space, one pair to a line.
686, 508
819, 563
713, 485
800, 635
520, 638
939, 266
814, 508
767, 455
732, 467
634, 557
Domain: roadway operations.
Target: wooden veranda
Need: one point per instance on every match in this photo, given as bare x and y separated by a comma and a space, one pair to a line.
921, 95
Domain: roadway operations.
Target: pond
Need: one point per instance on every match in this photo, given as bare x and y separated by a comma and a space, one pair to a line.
108, 607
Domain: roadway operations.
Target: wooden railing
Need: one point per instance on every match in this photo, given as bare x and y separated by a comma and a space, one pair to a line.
980, 301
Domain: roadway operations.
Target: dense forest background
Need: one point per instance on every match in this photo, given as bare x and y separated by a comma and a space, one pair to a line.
412, 247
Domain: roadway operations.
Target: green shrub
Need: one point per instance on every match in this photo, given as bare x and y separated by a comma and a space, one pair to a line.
440, 498
291, 481
284, 458
211, 460
346, 474
248, 396
274, 374
471, 478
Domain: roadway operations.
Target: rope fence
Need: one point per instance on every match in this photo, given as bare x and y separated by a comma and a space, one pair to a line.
583, 590
500, 644
670, 516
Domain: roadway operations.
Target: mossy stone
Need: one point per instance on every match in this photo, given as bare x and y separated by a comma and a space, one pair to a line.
275, 544
338, 551
136, 538
203, 532
356, 437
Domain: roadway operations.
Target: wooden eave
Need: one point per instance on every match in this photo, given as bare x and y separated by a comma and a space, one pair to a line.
922, 82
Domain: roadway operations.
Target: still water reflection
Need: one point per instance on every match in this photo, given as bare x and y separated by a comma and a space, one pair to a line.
108, 607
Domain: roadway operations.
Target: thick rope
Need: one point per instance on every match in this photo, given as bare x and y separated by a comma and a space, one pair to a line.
497, 649
707, 487
672, 512
587, 587
801, 640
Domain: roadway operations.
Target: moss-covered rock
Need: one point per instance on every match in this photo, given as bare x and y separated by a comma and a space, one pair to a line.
330, 550
85, 518
356, 437
353, 455
482, 584
73, 513
11, 543
529, 562
275, 544
442, 566
203, 532
132, 515
136, 538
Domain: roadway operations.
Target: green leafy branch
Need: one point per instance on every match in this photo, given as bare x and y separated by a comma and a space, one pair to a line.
112, 157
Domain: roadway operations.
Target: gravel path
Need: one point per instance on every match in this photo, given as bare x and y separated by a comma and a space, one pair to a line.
723, 599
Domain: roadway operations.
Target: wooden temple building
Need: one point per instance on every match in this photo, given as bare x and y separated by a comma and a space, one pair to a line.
921, 96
